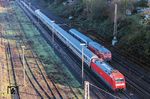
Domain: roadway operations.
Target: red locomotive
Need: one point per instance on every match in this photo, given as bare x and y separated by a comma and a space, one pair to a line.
113, 78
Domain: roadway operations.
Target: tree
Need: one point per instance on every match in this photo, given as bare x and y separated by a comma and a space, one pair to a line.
142, 3
58, 1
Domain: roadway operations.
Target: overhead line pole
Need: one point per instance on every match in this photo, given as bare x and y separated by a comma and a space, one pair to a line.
82, 63
86, 90
53, 31
114, 41
82, 44
23, 60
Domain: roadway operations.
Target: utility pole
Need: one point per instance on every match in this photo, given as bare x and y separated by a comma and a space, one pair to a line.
38, 21
82, 44
23, 61
114, 41
86, 90
53, 31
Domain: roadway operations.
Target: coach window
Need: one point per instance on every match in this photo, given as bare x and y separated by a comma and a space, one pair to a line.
85, 57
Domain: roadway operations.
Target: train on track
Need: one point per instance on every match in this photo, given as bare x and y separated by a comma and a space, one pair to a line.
102, 52
112, 77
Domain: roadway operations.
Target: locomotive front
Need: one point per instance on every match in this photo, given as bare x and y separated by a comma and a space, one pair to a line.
118, 80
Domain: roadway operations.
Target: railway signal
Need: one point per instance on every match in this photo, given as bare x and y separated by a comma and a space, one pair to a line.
12, 89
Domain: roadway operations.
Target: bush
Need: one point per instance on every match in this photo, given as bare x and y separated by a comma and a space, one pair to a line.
134, 36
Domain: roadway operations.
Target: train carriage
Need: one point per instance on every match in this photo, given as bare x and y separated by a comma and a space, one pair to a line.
100, 51
113, 78
80, 36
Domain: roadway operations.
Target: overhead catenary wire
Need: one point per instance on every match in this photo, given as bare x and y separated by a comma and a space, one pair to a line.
105, 91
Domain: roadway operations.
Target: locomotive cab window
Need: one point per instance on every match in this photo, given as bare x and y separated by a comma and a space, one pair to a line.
120, 80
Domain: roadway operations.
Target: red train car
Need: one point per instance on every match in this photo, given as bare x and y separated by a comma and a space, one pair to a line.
113, 78
100, 51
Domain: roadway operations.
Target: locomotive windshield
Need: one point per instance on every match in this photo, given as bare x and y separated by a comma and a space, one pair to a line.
120, 80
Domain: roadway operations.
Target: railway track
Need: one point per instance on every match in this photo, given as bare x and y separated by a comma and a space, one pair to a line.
30, 68
27, 75
59, 68
53, 93
142, 84
36, 80
129, 79
43, 77
10, 61
12, 50
5, 69
12, 56
136, 70
9, 54
15, 60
